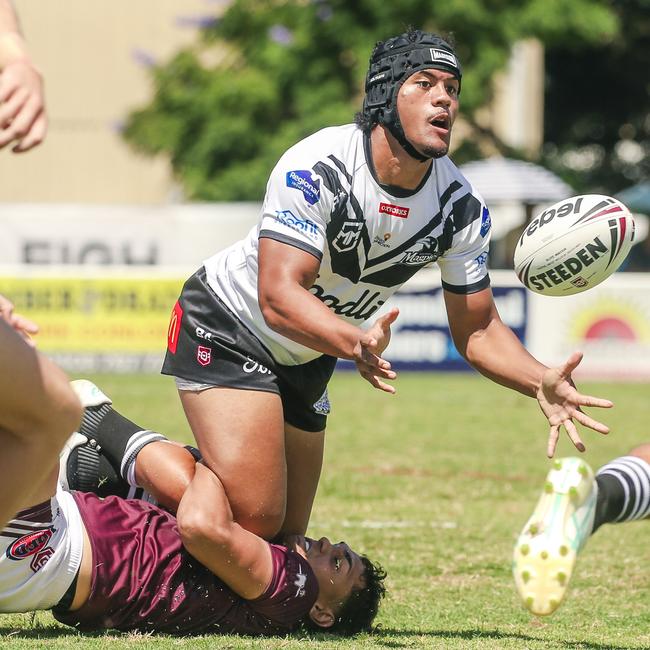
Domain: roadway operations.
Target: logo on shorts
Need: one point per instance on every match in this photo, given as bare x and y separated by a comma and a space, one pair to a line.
174, 327
204, 355
41, 558
251, 366
394, 210
203, 334
322, 406
30, 544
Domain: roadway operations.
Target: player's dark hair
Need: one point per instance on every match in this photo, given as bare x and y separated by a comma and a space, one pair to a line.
360, 609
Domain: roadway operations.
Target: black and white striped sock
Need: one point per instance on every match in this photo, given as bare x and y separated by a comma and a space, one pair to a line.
623, 491
119, 438
134, 444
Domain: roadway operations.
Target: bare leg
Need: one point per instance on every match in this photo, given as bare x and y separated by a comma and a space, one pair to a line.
164, 469
38, 411
240, 434
642, 451
304, 452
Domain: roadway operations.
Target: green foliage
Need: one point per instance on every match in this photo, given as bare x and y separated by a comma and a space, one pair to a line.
286, 68
597, 111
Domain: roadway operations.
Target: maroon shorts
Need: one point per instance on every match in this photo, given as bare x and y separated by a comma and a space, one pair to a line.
208, 344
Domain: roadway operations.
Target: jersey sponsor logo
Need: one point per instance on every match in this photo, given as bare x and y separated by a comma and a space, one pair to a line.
486, 222
348, 237
302, 225
252, 366
360, 309
29, 544
322, 406
382, 241
174, 327
300, 179
394, 210
481, 260
204, 355
426, 252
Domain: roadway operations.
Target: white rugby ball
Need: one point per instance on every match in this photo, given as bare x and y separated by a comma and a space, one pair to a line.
574, 245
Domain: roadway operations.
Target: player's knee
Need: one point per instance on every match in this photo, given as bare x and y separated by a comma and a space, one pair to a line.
61, 412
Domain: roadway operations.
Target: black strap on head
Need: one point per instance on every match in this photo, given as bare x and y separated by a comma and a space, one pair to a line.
391, 64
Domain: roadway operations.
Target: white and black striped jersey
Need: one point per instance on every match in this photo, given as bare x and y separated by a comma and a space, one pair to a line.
323, 197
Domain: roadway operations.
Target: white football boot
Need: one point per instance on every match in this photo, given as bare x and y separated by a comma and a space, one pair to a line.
559, 527
89, 396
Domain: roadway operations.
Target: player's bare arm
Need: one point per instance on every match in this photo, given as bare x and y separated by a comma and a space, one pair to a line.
285, 275
491, 347
23, 120
240, 558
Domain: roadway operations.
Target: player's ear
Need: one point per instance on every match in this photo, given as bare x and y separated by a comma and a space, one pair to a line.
323, 616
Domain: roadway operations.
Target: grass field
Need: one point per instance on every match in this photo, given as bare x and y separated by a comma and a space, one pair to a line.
435, 483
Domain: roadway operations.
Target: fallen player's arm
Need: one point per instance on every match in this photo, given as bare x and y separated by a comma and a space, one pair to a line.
240, 558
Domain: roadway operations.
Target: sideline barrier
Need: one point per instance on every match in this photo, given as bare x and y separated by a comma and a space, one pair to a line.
115, 319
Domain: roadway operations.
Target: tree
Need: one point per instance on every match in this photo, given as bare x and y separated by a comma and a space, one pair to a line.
597, 111
269, 72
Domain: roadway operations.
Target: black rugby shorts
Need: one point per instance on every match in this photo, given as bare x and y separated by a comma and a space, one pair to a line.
208, 344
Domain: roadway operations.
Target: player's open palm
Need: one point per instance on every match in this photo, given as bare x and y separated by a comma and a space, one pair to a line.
561, 403
367, 355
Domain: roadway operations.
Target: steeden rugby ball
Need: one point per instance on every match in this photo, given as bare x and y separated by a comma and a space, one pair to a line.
574, 245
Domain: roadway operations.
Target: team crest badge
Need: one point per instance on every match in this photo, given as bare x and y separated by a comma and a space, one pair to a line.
204, 355
348, 237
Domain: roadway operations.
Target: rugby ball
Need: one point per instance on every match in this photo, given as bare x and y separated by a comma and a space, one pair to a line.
574, 245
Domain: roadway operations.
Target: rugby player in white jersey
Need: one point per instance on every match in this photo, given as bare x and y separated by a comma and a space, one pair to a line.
350, 214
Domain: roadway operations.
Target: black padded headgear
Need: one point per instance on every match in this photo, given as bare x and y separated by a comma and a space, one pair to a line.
392, 62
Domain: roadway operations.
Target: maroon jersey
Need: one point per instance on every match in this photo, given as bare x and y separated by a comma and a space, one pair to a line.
143, 579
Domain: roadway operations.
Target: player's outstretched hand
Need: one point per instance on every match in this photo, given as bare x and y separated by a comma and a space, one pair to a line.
22, 106
371, 366
25, 327
562, 403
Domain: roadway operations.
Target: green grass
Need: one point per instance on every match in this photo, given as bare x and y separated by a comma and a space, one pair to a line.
435, 483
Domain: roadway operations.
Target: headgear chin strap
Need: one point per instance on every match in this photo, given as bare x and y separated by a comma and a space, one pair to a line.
391, 64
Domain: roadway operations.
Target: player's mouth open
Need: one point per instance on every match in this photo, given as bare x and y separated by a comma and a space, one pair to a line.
441, 121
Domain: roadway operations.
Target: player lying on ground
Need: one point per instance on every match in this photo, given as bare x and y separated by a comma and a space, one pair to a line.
38, 411
120, 563
573, 505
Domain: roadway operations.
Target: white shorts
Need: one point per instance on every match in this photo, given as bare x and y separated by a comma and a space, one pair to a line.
40, 554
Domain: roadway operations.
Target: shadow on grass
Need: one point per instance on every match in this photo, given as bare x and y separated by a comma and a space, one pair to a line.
389, 638
382, 637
